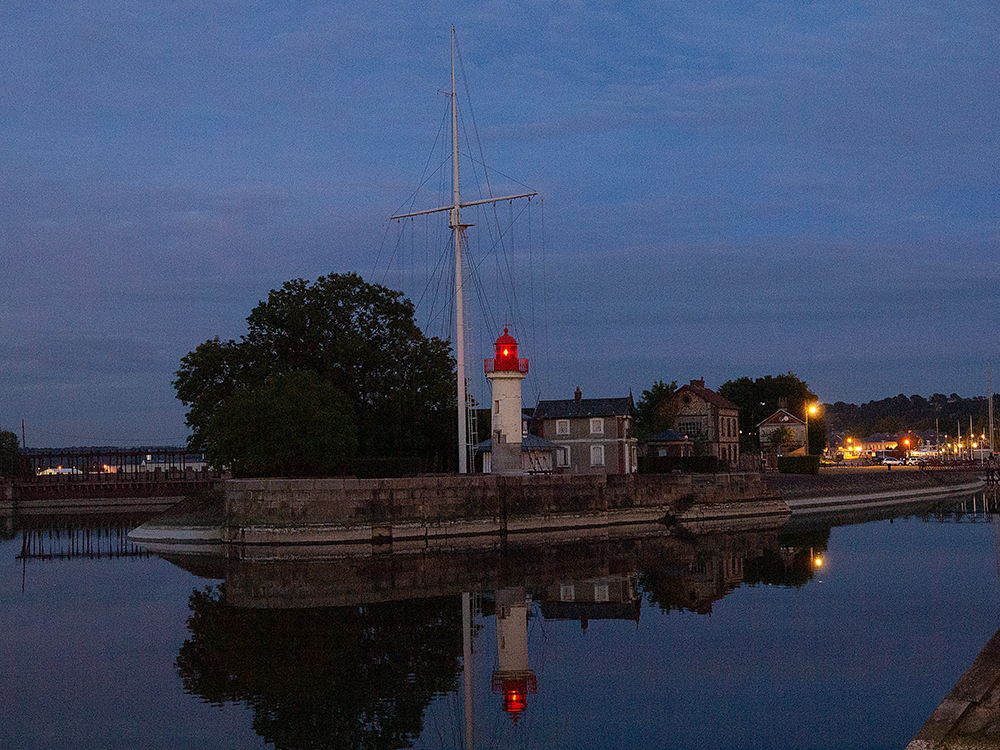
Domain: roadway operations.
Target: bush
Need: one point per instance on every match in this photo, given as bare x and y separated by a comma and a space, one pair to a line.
798, 464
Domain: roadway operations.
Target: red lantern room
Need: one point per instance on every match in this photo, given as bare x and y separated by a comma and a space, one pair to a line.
505, 356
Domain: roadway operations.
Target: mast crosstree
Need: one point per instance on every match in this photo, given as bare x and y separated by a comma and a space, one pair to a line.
458, 232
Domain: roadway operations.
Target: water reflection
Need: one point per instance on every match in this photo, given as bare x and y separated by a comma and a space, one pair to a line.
346, 677
347, 652
334, 651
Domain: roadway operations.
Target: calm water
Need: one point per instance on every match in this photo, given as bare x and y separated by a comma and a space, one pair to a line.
727, 642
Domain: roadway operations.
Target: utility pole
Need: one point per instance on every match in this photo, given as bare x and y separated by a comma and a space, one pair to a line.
989, 389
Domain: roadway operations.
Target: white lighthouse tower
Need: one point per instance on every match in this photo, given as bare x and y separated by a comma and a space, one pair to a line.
506, 372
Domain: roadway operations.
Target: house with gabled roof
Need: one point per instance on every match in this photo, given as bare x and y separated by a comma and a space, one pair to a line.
783, 420
592, 435
709, 420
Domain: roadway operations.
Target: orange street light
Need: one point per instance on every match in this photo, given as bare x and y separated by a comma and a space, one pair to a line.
811, 409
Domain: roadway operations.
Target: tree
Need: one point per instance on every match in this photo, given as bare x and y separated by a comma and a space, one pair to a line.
360, 338
295, 424
779, 438
758, 399
10, 454
653, 412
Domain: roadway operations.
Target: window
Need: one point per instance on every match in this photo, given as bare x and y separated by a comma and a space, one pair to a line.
562, 427
597, 426
601, 592
689, 427
567, 592
597, 455
562, 455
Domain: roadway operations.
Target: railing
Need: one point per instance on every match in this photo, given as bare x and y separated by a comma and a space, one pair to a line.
112, 465
490, 365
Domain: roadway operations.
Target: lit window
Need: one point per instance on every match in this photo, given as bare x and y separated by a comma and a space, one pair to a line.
597, 455
562, 427
597, 426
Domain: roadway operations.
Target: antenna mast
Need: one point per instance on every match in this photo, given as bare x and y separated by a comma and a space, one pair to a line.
989, 388
458, 230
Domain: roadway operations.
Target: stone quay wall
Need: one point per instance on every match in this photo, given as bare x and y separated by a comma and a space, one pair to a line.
295, 511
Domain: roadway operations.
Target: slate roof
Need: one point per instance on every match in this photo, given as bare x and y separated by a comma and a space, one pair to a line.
571, 408
529, 442
667, 436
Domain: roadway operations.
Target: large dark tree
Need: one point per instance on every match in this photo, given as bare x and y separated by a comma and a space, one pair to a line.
758, 399
294, 424
10, 453
360, 338
652, 412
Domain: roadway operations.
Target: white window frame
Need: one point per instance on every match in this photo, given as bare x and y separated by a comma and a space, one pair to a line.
601, 593
562, 427
562, 456
597, 426
567, 592
597, 455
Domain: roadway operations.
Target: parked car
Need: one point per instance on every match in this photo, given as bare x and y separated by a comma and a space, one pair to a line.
891, 461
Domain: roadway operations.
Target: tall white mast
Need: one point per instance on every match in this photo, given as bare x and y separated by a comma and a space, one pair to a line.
458, 230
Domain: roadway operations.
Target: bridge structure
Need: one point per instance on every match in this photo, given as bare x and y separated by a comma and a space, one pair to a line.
105, 479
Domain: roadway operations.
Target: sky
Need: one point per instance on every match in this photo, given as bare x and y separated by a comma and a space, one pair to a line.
725, 190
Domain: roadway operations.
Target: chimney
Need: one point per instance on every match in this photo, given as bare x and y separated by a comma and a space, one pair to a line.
578, 395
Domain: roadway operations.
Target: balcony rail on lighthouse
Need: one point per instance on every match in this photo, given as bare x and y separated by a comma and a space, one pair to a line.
496, 364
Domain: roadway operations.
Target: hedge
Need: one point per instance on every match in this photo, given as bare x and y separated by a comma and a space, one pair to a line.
798, 464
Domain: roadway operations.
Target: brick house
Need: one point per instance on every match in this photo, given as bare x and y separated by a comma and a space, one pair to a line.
709, 420
592, 435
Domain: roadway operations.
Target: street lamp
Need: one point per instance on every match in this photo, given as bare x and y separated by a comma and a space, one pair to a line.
811, 409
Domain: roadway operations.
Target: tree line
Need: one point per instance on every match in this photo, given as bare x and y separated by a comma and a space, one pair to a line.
898, 413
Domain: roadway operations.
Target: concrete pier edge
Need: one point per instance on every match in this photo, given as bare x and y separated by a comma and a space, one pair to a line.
422, 510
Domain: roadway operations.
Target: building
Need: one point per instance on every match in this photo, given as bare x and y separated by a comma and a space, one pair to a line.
783, 420
709, 420
669, 444
592, 435
537, 455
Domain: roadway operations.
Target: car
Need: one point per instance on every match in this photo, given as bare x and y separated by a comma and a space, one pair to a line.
891, 461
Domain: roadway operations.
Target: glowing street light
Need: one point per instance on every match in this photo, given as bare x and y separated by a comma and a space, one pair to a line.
811, 409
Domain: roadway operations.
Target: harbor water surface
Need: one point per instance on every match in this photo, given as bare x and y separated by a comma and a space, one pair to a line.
731, 642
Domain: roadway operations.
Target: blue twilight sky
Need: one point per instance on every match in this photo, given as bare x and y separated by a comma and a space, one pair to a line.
728, 189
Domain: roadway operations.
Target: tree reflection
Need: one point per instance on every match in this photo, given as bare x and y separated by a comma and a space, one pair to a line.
325, 678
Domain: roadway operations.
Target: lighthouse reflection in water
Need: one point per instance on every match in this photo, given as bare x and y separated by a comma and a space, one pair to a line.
512, 678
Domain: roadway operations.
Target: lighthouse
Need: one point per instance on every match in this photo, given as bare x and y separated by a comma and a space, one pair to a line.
506, 372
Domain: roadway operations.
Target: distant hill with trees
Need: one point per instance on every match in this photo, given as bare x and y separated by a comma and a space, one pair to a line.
898, 413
